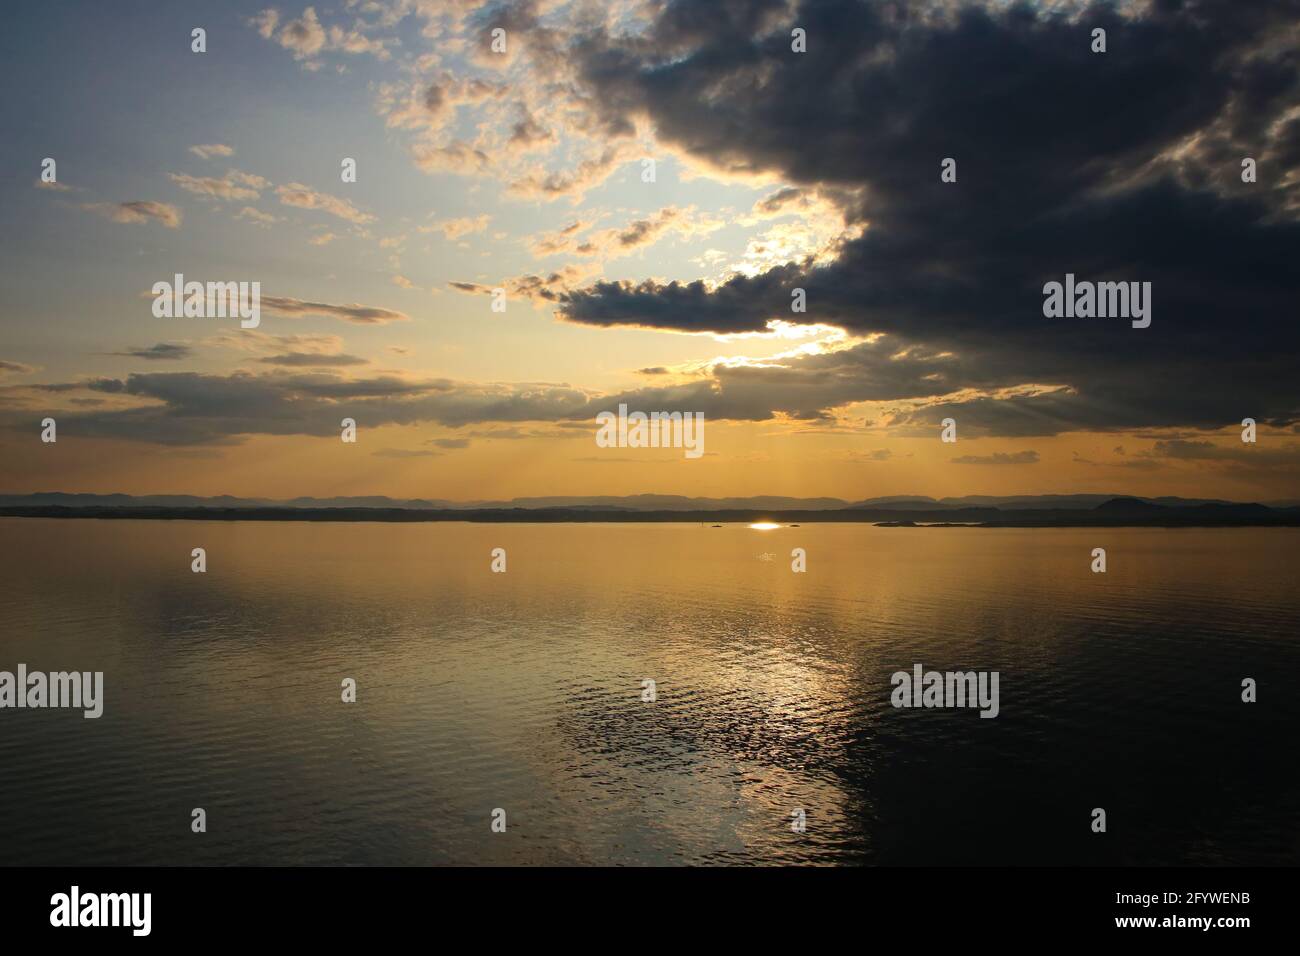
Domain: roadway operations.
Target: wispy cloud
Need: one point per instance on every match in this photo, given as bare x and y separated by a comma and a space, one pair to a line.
313, 360
234, 185
457, 228
304, 197
352, 312
404, 453
999, 458
257, 217
212, 150
624, 240
138, 211
162, 352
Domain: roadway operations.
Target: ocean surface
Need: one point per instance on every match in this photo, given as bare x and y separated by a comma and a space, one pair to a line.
523, 691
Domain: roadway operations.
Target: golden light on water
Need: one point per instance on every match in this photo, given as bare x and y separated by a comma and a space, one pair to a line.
764, 526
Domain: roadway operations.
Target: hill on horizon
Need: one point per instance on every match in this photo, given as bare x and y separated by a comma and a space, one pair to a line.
634, 503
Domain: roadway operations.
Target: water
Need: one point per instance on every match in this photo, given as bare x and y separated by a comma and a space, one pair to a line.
523, 691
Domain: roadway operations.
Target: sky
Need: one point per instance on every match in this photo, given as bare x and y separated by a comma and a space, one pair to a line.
647, 183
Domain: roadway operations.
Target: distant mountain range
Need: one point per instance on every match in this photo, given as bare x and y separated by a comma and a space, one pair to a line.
611, 503
895, 511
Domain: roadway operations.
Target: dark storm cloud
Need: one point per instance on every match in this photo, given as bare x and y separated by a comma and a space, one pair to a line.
1116, 166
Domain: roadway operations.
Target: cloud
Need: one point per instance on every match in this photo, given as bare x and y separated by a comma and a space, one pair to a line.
429, 103
356, 42
254, 340
879, 454
162, 352
1129, 188
189, 408
559, 241
999, 458
1192, 450
536, 288
1234, 454
785, 199
304, 197
234, 185
506, 123
624, 240
458, 228
257, 217
313, 360
265, 23
138, 211
528, 134
404, 453
514, 433
305, 37
15, 368
353, 312
575, 181
455, 157
212, 149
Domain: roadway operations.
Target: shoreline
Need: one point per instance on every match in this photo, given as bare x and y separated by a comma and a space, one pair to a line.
1218, 516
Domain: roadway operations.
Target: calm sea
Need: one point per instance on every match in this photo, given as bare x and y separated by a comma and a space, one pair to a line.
523, 691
